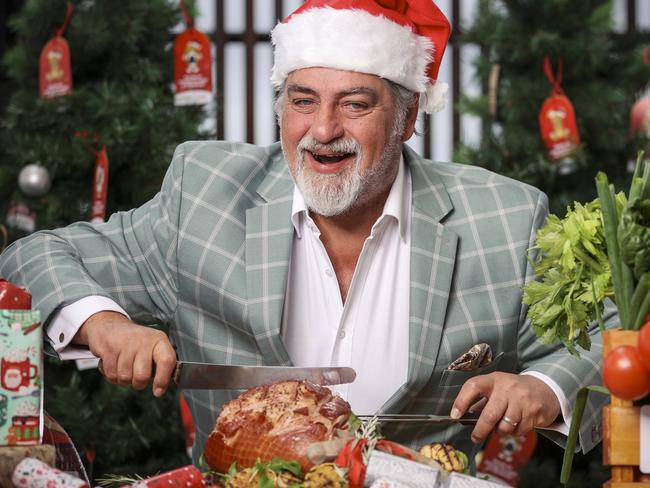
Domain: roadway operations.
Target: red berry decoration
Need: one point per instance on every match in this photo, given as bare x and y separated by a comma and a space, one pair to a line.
625, 375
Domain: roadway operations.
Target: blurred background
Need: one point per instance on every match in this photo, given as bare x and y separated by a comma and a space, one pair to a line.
123, 101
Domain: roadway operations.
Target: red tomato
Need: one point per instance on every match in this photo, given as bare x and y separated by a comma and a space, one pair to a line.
644, 342
625, 375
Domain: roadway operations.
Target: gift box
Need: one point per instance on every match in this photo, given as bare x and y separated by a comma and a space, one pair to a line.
10, 457
21, 366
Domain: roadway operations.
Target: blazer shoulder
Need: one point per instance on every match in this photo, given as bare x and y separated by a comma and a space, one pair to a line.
238, 163
212, 152
464, 178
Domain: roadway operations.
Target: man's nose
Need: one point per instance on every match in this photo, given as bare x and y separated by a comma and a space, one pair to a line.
326, 125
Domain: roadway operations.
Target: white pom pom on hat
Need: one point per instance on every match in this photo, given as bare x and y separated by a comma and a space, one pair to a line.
399, 40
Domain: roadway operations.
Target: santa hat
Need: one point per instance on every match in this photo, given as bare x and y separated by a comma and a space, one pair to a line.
400, 40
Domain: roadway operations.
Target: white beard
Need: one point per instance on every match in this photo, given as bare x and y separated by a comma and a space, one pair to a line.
335, 194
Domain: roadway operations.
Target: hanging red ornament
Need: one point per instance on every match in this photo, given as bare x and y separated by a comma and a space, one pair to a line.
557, 121
188, 423
640, 117
100, 178
100, 187
192, 65
55, 72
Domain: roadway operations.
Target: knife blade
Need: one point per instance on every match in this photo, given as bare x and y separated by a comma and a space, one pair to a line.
467, 419
207, 376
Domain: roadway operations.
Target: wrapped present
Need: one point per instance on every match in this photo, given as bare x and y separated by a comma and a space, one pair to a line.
33, 473
21, 364
10, 457
458, 480
390, 471
185, 477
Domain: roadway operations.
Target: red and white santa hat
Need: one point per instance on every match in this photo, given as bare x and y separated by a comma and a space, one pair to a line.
400, 40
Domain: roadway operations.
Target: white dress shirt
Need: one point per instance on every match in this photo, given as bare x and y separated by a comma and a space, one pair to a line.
370, 331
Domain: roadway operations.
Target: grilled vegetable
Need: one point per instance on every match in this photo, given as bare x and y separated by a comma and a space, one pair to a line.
449, 458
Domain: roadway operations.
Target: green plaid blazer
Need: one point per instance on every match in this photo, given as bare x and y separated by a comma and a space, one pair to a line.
209, 256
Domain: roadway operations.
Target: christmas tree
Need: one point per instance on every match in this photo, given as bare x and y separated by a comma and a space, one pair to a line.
602, 74
122, 69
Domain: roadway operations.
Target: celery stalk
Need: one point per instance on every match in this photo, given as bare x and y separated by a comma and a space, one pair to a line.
622, 278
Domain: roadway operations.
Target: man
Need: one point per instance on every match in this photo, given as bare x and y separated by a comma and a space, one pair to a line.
374, 258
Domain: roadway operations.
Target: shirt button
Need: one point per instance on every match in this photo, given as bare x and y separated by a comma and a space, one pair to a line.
61, 337
342, 334
328, 272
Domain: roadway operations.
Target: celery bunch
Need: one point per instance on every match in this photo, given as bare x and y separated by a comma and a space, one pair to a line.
627, 234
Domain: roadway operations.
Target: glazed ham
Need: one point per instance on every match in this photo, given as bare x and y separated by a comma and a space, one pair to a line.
277, 420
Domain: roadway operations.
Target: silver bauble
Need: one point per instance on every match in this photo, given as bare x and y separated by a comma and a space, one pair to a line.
34, 180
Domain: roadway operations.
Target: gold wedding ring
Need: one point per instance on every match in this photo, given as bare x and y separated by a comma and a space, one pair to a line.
508, 420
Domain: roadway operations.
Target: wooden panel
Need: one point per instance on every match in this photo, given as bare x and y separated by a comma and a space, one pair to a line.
621, 445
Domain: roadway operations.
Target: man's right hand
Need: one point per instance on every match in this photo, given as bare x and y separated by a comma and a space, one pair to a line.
128, 351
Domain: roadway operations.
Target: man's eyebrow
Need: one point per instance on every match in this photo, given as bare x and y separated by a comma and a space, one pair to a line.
357, 90
295, 88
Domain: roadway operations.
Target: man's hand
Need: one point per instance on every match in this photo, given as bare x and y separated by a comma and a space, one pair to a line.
128, 351
524, 401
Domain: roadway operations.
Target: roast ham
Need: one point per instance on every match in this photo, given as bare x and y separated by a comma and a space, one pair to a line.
276, 420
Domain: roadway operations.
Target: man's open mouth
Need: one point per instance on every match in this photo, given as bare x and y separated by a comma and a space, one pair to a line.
330, 158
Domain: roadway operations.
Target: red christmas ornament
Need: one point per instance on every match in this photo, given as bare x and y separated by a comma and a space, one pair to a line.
100, 187
188, 422
192, 65
640, 117
557, 120
55, 72
100, 177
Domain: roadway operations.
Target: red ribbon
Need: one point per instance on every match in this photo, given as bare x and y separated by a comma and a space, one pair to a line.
555, 79
66, 21
189, 20
351, 458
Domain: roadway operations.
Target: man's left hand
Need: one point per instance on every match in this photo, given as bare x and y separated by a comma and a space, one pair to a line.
511, 403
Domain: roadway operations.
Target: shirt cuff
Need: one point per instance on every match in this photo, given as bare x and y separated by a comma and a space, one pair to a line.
69, 320
561, 426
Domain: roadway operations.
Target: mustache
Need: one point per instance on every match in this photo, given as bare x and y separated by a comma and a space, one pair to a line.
347, 146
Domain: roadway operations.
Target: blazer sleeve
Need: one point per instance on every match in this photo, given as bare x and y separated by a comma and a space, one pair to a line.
131, 258
569, 372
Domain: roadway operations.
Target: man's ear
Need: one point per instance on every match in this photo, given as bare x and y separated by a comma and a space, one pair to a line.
411, 118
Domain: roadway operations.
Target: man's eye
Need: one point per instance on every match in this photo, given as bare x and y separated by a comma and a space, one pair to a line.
356, 106
303, 102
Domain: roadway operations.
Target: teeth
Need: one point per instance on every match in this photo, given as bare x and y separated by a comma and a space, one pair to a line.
329, 159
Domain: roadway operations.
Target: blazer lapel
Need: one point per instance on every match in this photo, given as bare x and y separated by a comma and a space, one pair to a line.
433, 255
269, 234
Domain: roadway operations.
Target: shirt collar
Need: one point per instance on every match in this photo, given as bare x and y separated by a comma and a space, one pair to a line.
398, 203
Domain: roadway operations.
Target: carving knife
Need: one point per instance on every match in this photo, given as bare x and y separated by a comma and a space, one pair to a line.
209, 376
467, 419
206, 376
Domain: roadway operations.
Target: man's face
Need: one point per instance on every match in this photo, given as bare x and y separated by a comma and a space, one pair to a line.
340, 137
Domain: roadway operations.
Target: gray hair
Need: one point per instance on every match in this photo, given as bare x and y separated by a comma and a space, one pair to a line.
403, 97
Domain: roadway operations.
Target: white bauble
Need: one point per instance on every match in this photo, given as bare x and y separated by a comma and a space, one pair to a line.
34, 180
